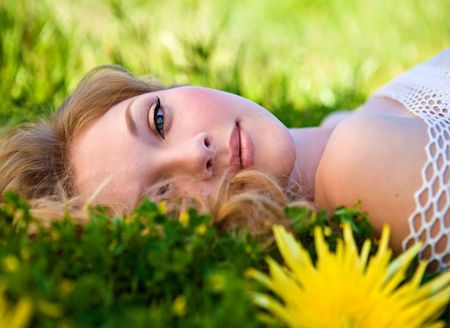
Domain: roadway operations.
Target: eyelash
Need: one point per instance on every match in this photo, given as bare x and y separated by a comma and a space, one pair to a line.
158, 109
162, 189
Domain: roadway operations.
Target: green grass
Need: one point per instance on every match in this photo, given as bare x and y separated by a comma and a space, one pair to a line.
134, 272
301, 59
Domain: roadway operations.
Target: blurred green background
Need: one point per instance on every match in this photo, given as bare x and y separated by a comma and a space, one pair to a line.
299, 58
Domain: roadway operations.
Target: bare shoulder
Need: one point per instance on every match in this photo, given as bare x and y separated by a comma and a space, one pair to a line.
376, 158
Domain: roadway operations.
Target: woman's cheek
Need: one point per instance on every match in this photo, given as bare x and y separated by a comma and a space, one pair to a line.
274, 150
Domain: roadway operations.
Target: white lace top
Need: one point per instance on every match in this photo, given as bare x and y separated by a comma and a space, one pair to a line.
425, 91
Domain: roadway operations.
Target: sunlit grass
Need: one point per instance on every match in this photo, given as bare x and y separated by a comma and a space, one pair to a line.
306, 57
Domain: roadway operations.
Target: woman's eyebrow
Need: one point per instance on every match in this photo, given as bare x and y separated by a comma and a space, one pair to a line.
131, 125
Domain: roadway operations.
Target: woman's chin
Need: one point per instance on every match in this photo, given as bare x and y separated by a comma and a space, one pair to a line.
279, 159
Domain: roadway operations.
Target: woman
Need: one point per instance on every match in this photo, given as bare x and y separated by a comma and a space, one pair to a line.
118, 139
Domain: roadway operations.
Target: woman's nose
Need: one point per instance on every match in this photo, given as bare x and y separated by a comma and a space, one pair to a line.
194, 156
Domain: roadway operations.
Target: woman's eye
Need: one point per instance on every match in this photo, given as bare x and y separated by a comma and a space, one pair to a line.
158, 118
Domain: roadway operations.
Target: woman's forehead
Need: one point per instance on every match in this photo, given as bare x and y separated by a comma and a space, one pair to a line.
102, 154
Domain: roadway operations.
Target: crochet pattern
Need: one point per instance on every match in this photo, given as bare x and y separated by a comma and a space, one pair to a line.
425, 91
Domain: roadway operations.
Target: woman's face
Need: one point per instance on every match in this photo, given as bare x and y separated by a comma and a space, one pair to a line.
178, 141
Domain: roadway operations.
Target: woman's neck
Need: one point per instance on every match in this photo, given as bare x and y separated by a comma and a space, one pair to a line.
310, 144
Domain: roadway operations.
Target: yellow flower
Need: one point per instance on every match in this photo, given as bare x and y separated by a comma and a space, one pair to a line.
217, 282
14, 316
184, 218
346, 289
327, 231
163, 206
10, 263
66, 286
179, 306
201, 229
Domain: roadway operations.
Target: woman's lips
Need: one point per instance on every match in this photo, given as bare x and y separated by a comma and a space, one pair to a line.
241, 148
246, 148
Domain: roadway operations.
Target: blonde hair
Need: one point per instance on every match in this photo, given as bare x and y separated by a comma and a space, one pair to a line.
34, 160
